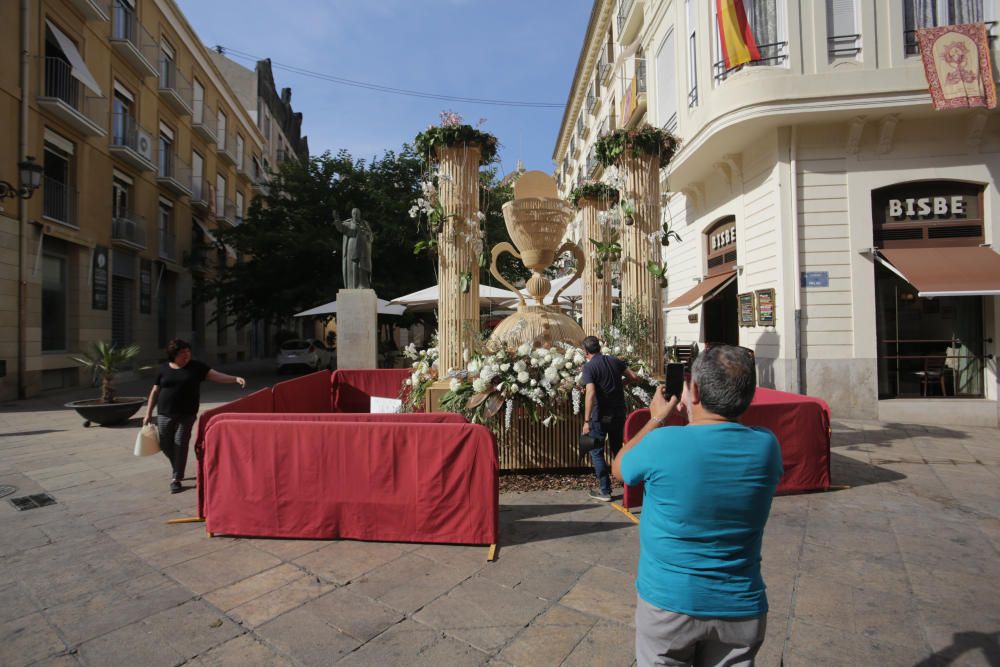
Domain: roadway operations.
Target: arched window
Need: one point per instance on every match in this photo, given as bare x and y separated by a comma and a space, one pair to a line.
720, 246
928, 214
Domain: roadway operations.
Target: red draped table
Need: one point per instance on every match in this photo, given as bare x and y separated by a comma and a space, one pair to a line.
407, 481
800, 423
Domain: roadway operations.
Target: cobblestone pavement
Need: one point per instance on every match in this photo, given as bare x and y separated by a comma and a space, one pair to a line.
899, 569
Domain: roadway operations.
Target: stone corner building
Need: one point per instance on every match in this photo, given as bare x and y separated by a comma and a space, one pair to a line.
147, 148
818, 172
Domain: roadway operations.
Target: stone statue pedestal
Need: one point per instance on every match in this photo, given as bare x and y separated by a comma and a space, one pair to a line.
357, 328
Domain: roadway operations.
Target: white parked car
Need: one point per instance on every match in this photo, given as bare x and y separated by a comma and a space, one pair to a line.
304, 353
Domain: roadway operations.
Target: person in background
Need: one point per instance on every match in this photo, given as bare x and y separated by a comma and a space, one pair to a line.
708, 490
604, 408
176, 393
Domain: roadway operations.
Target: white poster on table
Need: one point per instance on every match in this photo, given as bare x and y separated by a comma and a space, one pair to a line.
380, 404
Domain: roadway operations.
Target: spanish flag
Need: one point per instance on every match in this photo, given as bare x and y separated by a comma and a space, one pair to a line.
738, 45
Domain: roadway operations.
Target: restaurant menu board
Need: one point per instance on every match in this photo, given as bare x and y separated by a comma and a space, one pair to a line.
145, 286
765, 307
99, 279
748, 317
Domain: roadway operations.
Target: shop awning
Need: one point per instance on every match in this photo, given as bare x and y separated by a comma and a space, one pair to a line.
78, 69
962, 271
703, 291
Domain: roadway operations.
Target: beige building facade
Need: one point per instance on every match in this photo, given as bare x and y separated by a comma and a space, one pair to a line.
146, 150
799, 180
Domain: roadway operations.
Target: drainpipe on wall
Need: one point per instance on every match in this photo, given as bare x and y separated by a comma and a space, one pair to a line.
793, 164
22, 225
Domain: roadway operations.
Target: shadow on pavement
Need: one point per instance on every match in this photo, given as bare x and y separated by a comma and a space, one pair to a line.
887, 434
963, 642
522, 524
845, 470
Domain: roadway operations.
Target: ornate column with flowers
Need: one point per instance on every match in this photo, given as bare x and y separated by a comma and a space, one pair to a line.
640, 154
454, 225
460, 245
601, 247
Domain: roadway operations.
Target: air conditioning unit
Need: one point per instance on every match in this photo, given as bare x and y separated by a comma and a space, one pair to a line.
144, 144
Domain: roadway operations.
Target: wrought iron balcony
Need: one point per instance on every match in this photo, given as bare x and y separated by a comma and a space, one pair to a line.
174, 87
174, 174
68, 100
131, 143
128, 229
227, 148
59, 202
203, 120
132, 41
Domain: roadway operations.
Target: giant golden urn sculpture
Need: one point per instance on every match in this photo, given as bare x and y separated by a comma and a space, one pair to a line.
536, 220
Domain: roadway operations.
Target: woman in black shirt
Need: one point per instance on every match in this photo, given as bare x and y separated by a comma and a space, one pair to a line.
176, 394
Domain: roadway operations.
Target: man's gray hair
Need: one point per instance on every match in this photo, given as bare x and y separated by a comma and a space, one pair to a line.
727, 379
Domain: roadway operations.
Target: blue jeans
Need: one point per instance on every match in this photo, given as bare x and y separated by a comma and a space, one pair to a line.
615, 434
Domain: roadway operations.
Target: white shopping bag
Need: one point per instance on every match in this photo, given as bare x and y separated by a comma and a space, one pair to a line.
147, 441
380, 404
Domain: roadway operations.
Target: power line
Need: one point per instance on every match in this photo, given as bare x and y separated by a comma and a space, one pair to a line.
388, 89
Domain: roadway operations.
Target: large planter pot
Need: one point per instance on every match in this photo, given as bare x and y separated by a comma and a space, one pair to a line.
105, 414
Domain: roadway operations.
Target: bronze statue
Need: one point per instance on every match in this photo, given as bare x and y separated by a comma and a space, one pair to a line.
356, 262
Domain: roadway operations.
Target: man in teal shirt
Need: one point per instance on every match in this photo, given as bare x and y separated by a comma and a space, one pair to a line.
708, 490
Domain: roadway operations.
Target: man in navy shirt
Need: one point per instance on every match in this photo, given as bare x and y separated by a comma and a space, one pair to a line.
604, 408
708, 490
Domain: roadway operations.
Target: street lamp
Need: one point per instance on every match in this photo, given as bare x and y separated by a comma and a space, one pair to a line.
30, 177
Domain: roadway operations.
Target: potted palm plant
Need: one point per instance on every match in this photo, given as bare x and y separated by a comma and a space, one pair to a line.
106, 360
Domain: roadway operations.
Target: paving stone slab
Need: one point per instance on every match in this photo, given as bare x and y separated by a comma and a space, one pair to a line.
549, 639
482, 613
278, 601
344, 561
244, 651
604, 592
306, 639
535, 571
355, 615
408, 583
605, 644
245, 590
28, 639
220, 568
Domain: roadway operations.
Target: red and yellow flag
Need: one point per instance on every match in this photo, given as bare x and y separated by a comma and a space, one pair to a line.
738, 44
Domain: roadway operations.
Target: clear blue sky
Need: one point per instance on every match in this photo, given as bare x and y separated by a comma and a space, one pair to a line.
513, 50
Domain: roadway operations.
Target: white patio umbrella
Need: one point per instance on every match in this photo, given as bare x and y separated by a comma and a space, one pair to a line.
383, 308
428, 298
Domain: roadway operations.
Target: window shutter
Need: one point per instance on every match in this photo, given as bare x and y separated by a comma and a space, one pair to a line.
666, 80
841, 18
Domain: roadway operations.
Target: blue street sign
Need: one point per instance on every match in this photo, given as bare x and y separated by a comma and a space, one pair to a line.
815, 278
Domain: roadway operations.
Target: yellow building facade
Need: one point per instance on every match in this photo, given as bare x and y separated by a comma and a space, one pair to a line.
145, 151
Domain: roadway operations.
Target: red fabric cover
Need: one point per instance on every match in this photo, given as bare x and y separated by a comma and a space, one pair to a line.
309, 393
391, 417
260, 401
800, 423
353, 389
405, 482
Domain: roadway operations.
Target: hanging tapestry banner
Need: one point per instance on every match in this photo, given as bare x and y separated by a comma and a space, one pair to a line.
957, 66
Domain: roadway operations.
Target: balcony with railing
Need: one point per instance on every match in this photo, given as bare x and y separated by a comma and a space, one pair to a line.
629, 20
174, 174
94, 10
912, 48
259, 179
59, 202
128, 229
572, 147
227, 148
132, 41
168, 244
174, 87
201, 194
770, 55
634, 98
592, 166
244, 165
604, 65
203, 120
131, 143
225, 210
70, 101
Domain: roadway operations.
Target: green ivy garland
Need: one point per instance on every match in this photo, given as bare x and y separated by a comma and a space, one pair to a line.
599, 191
457, 135
643, 140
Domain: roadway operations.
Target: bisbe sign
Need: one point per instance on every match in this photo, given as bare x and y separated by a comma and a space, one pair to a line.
722, 238
910, 208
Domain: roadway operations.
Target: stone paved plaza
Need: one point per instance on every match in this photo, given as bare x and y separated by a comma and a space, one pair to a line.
901, 568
